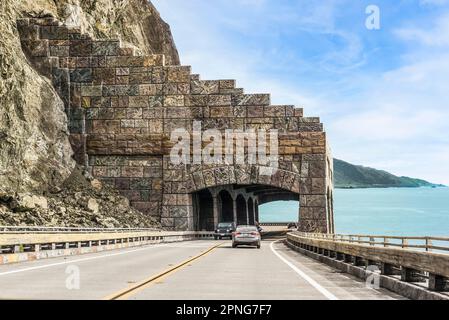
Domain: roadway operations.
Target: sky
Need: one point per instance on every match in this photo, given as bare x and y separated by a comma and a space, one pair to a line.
382, 94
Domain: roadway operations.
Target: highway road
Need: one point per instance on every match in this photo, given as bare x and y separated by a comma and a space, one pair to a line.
184, 271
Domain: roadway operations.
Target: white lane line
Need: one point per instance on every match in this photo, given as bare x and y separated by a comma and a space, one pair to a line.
85, 259
303, 275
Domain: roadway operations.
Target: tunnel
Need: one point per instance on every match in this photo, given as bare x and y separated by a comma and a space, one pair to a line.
234, 203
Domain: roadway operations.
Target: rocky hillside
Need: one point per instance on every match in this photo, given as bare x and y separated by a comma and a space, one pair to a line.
136, 22
36, 165
351, 176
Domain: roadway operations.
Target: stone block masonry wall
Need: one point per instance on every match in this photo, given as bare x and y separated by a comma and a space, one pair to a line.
122, 109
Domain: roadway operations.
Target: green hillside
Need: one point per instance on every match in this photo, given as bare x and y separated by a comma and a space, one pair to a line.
347, 175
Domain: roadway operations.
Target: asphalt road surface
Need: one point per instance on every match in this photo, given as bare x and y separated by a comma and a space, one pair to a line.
184, 271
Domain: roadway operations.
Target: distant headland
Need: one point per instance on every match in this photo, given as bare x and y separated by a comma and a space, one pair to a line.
349, 176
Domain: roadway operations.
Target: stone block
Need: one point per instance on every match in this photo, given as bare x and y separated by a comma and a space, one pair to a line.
122, 71
196, 100
36, 48
317, 169
227, 84
120, 90
251, 100
178, 74
174, 101
313, 200
310, 127
154, 60
139, 102
168, 223
205, 87
140, 184
132, 172
275, 111
54, 33
105, 48
221, 112
59, 51
104, 76
81, 75
80, 48
91, 91
219, 100
255, 111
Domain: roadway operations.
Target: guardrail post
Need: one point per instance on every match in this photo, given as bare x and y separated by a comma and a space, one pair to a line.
372, 263
37, 247
18, 249
428, 244
411, 275
386, 269
358, 262
437, 283
404, 243
347, 258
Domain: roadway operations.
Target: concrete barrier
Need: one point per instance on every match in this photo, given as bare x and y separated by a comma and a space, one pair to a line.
19, 247
412, 274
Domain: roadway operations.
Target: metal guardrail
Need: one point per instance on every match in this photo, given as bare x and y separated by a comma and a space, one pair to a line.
30, 243
418, 243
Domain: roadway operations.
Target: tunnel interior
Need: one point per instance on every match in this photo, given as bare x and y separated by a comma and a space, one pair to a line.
234, 203
226, 212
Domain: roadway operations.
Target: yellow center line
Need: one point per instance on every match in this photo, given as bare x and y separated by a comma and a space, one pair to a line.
132, 290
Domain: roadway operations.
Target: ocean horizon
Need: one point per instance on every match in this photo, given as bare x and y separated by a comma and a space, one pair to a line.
386, 211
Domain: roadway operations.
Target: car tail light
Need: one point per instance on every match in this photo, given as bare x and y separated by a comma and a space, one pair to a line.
254, 234
237, 233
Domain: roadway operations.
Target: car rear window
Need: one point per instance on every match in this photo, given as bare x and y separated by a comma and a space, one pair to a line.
247, 229
225, 225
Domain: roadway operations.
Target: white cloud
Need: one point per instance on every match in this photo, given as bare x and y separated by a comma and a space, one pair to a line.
435, 35
433, 2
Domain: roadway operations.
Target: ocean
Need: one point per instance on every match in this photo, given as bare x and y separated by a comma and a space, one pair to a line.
393, 211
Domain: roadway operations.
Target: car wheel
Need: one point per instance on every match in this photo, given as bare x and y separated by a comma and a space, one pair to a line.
215, 237
234, 245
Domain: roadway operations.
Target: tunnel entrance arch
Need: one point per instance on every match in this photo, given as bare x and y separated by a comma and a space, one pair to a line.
203, 203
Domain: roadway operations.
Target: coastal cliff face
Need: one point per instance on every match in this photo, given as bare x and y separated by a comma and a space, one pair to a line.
136, 23
34, 149
35, 153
